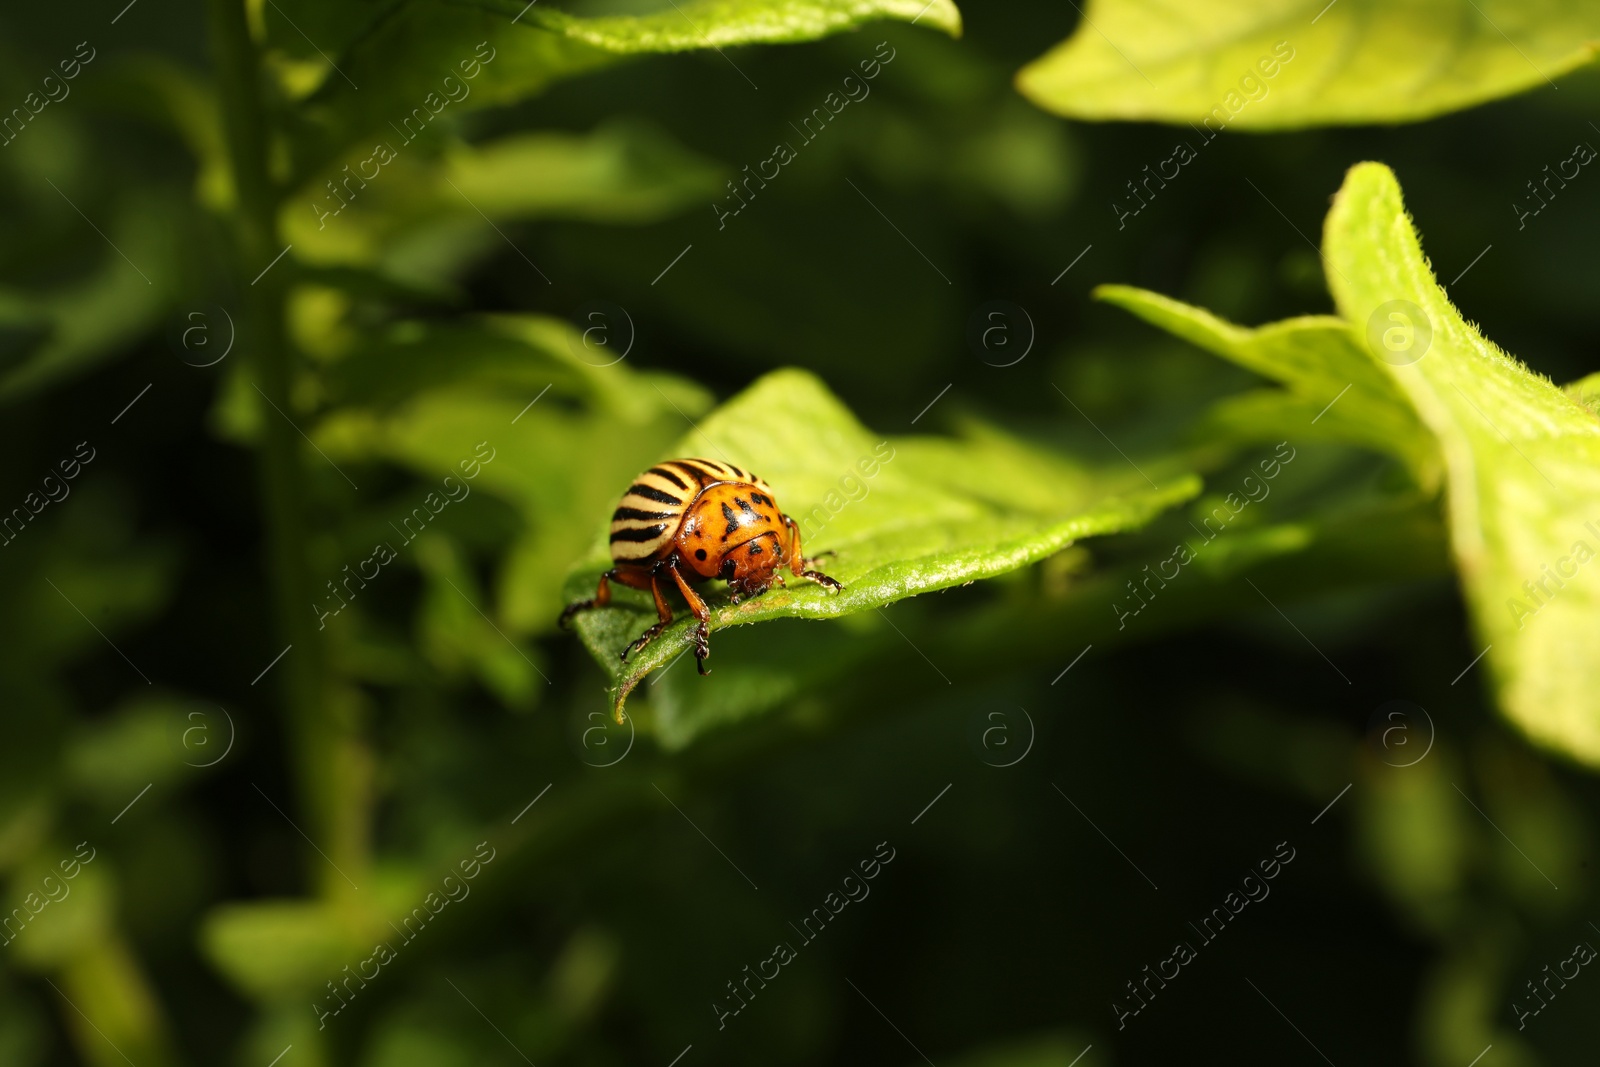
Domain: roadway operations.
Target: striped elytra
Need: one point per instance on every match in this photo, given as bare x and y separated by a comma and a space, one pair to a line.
648, 518
685, 521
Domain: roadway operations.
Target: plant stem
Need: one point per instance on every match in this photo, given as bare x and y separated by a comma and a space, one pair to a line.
317, 742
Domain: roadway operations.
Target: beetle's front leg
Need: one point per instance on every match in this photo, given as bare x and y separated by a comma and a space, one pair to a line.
643, 639
701, 634
823, 580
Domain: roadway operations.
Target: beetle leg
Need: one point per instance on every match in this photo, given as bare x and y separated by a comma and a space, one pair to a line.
662, 611
798, 562
602, 597
701, 634
796, 559
823, 580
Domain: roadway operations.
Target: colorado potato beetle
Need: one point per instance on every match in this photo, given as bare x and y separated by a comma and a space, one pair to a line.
692, 520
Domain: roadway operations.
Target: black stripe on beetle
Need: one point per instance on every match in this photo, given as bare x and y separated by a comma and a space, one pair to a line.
634, 513
669, 476
650, 492
643, 533
702, 469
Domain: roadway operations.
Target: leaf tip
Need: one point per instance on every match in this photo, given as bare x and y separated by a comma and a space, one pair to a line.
946, 16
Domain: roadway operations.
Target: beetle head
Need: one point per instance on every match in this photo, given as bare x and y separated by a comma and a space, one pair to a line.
748, 568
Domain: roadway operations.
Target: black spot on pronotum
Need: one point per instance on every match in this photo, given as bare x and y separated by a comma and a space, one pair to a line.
733, 520
755, 550
699, 553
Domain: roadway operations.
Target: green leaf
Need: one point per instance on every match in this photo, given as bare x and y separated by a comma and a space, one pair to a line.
1520, 458
1522, 462
415, 216
1287, 64
453, 634
277, 948
527, 388
93, 318
723, 23
1333, 389
398, 63
1586, 391
931, 514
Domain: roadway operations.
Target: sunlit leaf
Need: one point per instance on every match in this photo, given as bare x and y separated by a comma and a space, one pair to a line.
1586, 391
1520, 457
932, 514
1281, 64
1522, 462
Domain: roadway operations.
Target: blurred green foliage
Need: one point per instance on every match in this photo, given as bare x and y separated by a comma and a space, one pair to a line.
323, 288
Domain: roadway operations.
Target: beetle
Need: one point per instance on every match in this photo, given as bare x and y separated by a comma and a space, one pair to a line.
686, 521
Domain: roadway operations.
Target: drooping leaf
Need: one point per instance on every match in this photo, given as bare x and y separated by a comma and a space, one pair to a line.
1332, 391
1522, 462
931, 514
397, 63
1283, 64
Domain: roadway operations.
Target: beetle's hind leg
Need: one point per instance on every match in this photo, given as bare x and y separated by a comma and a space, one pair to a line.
601, 598
664, 616
701, 634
